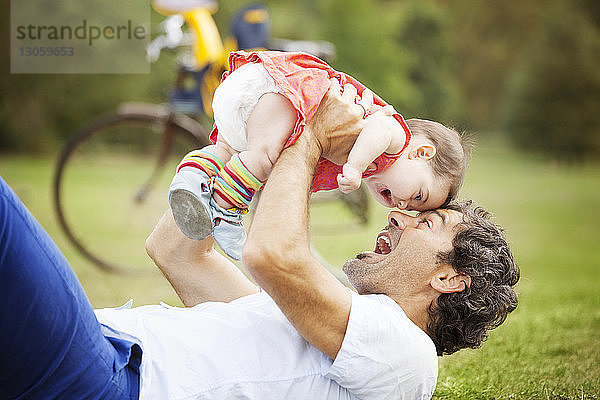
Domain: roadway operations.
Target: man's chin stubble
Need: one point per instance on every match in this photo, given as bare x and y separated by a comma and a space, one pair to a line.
356, 272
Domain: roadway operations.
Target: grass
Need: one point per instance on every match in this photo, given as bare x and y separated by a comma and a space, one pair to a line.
549, 348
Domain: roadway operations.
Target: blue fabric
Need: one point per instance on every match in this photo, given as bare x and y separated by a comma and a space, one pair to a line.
51, 344
250, 35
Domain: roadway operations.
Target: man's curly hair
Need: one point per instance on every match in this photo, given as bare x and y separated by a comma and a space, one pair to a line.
461, 320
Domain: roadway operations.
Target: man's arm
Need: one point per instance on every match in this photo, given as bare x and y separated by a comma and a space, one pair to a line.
197, 272
277, 252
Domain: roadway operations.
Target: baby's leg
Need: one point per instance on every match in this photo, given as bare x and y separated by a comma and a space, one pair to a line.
268, 128
189, 193
209, 159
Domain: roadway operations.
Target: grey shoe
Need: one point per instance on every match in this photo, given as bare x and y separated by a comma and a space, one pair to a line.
189, 197
229, 233
198, 215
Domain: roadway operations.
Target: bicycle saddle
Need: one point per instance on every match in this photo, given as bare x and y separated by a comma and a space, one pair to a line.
170, 7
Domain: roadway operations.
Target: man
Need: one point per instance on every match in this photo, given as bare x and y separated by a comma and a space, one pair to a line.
434, 284
437, 282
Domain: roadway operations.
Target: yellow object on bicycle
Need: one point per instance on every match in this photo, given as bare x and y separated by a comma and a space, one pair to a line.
212, 79
208, 46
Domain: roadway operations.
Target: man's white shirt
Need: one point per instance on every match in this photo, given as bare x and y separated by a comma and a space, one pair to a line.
247, 349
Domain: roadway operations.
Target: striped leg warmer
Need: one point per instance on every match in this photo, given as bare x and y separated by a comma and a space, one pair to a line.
203, 160
236, 184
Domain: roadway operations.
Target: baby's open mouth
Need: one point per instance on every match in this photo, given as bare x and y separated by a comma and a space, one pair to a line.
387, 195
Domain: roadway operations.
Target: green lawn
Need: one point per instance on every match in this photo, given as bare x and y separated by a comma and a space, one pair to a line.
549, 348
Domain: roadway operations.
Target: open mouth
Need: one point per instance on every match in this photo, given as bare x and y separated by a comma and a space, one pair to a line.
383, 245
387, 195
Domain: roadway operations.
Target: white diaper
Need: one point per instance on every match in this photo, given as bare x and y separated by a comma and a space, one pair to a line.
236, 97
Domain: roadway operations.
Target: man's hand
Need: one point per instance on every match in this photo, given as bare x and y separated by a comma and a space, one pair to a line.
337, 122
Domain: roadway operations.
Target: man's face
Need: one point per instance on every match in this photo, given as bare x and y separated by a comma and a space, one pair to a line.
405, 255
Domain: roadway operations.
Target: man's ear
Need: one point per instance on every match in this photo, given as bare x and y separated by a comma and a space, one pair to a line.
447, 280
423, 152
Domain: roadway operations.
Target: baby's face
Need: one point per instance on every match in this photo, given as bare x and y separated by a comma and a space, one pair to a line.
408, 184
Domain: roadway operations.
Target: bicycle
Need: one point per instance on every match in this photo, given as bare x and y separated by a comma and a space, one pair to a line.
139, 141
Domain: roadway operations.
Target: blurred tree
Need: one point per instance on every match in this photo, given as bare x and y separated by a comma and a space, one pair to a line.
439, 59
488, 40
424, 32
554, 101
363, 31
39, 110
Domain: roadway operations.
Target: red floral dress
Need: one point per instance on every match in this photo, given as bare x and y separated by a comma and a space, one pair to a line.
304, 80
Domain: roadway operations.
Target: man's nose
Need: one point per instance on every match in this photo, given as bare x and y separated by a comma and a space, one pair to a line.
400, 220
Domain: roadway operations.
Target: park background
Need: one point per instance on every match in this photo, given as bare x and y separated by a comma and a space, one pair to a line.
522, 78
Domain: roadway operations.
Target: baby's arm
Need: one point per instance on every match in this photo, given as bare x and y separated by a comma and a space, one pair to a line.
381, 134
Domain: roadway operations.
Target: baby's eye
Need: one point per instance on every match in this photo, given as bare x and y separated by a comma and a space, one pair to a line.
419, 196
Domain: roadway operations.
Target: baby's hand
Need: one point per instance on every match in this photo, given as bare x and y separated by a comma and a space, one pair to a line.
350, 178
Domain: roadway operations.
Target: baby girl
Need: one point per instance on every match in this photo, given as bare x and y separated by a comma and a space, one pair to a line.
262, 106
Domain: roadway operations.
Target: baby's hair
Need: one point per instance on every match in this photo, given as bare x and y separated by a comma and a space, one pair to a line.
453, 152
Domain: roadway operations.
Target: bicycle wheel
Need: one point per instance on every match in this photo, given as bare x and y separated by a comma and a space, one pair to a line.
111, 182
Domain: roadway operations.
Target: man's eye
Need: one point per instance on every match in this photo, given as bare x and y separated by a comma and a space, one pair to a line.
426, 221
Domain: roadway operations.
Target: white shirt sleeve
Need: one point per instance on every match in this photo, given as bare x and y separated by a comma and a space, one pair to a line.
384, 355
